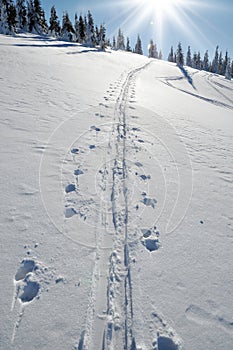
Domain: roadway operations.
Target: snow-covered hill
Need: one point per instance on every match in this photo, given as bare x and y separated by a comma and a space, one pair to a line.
116, 210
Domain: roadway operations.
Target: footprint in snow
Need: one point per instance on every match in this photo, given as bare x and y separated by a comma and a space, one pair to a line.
149, 202
78, 172
69, 212
29, 291
70, 188
95, 128
27, 266
92, 147
75, 151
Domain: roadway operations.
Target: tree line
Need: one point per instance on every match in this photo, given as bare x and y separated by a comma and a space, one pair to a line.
220, 64
29, 16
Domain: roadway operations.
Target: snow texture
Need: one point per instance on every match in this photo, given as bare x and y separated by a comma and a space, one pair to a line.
116, 210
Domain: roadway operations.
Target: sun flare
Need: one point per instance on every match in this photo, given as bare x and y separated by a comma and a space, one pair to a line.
164, 5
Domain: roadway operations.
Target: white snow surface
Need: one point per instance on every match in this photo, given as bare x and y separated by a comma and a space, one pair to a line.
116, 201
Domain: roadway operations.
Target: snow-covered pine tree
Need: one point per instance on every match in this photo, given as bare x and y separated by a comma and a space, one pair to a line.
225, 62
138, 46
90, 30
151, 49
214, 67
171, 55
228, 70
199, 62
30, 15
220, 64
206, 65
120, 45
114, 43
67, 30
81, 30
7, 17
189, 58
179, 55
54, 25
11, 17
128, 48
40, 22
160, 55
36, 18
102, 37
21, 15
3, 17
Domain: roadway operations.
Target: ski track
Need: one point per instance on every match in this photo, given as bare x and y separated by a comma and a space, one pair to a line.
118, 330
168, 81
110, 323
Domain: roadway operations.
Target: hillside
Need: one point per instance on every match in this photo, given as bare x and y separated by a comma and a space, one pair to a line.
116, 210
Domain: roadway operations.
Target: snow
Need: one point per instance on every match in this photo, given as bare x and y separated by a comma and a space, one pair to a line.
116, 210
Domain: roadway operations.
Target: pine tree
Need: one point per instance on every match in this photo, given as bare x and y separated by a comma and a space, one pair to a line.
215, 62
179, 55
39, 17
128, 48
151, 49
90, 31
138, 46
189, 58
199, 62
4, 29
171, 55
81, 30
114, 43
228, 69
220, 64
156, 54
67, 30
11, 17
36, 17
102, 37
160, 55
120, 45
21, 16
54, 27
206, 65
225, 62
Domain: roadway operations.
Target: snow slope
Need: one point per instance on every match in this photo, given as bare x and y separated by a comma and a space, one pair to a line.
116, 210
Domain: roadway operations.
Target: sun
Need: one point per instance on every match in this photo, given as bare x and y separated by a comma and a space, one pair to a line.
164, 5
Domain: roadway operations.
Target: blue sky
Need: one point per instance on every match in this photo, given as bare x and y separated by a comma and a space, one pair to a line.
200, 24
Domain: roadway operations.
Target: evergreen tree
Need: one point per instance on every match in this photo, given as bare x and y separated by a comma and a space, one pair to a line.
67, 30
220, 64
194, 60
40, 25
90, 31
11, 17
4, 28
120, 45
206, 65
189, 58
225, 63
228, 69
215, 62
54, 25
171, 55
81, 30
151, 49
102, 37
138, 46
21, 16
128, 48
160, 55
179, 55
114, 43
199, 62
